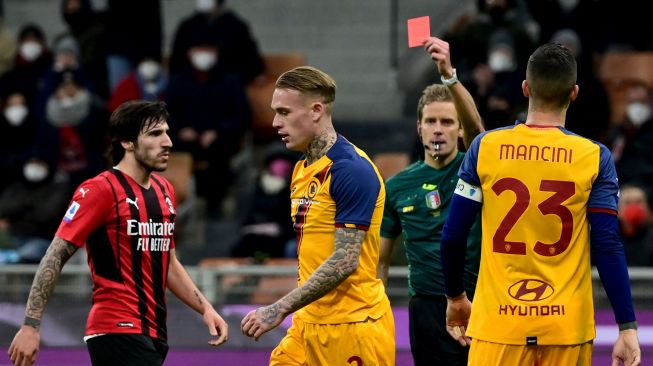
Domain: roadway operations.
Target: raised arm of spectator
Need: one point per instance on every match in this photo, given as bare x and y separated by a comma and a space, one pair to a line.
470, 119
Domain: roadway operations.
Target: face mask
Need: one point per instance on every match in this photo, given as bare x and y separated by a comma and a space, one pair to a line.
149, 70
68, 111
568, 5
638, 113
16, 114
30, 50
272, 184
500, 62
35, 172
151, 88
205, 6
204, 60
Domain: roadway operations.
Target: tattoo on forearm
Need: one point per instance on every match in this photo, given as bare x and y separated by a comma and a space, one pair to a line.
199, 298
342, 263
320, 145
46, 278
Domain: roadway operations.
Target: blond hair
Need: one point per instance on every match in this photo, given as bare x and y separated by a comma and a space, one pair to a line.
309, 80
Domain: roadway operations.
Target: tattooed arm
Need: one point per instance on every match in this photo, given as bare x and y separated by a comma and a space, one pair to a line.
342, 263
25, 345
180, 283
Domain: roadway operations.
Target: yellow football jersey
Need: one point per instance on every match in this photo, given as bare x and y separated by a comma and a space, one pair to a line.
537, 185
342, 188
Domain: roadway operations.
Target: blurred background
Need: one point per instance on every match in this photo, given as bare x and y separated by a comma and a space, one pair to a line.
66, 65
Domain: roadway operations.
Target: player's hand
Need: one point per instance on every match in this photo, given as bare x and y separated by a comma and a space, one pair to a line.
258, 322
626, 349
458, 310
217, 327
439, 52
25, 346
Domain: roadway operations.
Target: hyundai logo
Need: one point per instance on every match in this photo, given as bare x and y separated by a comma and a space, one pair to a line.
530, 290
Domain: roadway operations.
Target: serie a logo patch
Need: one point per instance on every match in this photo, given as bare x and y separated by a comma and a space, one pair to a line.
72, 210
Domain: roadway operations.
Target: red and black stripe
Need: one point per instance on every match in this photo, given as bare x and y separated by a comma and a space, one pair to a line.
105, 263
136, 255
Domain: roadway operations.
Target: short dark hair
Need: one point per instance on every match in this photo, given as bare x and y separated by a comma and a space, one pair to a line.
430, 94
551, 74
129, 120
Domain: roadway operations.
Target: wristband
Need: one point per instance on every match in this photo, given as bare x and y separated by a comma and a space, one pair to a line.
32, 322
451, 81
626, 326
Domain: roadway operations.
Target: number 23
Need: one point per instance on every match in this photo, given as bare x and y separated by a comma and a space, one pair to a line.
551, 206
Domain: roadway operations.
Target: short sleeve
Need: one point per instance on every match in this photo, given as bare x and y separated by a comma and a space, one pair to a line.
390, 226
355, 188
89, 209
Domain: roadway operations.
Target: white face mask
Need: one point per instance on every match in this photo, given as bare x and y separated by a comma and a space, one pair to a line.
31, 50
67, 102
499, 62
35, 172
205, 6
638, 113
203, 60
272, 184
16, 114
149, 70
568, 5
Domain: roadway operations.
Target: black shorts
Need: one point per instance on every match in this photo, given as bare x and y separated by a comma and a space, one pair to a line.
430, 343
126, 350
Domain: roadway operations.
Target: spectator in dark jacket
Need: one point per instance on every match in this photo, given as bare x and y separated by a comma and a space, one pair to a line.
87, 26
32, 60
18, 133
210, 115
224, 30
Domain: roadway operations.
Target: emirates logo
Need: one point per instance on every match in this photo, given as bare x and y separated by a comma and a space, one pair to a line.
530, 290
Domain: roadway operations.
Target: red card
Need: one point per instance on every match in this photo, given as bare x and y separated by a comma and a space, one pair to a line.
419, 29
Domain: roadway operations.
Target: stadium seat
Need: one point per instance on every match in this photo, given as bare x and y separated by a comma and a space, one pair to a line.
260, 94
390, 163
618, 71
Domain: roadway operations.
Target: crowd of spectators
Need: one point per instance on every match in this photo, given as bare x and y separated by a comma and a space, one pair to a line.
57, 91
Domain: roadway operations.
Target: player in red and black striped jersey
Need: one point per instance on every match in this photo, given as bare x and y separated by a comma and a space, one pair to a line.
126, 218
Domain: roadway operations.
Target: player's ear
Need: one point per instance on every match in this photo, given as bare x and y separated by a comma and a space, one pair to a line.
419, 128
524, 88
127, 145
574, 93
317, 110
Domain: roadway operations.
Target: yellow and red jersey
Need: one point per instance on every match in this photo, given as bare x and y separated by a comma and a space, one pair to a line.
342, 189
537, 185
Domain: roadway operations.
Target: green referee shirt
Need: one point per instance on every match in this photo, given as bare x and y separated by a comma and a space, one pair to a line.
417, 203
